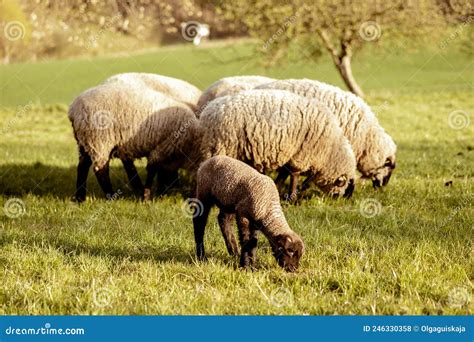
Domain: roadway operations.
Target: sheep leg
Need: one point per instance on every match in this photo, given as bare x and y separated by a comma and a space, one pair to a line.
151, 169
199, 223
283, 173
306, 184
293, 184
225, 223
132, 175
252, 245
246, 241
83, 167
103, 177
166, 179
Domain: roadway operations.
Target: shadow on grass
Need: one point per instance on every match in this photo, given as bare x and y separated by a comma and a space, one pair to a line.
141, 253
45, 180
71, 247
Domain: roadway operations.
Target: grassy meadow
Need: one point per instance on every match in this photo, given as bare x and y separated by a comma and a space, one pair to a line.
405, 249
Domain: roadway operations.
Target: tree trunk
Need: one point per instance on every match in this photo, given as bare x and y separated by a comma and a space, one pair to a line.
6, 55
342, 60
345, 70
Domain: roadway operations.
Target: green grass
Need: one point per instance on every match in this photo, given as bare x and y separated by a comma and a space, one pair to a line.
60, 81
126, 257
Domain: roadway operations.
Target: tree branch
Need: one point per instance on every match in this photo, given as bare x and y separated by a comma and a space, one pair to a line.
328, 45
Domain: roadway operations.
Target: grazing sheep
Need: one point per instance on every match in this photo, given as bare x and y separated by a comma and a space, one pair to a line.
175, 88
229, 86
269, 129
129, 121
237, 189
373, 147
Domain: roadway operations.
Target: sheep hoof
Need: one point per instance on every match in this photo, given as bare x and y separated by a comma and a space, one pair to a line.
202, 258
290, 197
78, 199
234, 254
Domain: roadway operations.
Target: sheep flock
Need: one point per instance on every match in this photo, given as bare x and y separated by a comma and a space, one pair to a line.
230, 138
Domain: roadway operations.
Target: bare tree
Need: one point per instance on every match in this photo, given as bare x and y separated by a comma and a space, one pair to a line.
340, 27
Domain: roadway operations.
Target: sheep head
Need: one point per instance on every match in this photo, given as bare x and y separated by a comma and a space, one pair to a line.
381, 175
287, 250
378, 160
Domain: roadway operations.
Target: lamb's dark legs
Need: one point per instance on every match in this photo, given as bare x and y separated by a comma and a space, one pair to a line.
103, 178
199, 223
132, 175
151, 169
248, 241
225, 223
252, 245
83, 167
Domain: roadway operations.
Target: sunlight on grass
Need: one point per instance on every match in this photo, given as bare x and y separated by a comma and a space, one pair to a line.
406, 249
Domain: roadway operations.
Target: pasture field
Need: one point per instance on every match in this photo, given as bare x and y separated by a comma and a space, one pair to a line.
406, 249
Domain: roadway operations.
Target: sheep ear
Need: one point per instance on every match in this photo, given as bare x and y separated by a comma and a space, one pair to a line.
288, 240
283, 241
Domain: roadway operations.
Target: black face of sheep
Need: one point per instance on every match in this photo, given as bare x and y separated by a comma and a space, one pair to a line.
382, 175
287, 251
349, 189
342, 186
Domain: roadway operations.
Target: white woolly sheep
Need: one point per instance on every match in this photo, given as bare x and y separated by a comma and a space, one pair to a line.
373, 147
175, 88
269, 129
129, 122
237, 189
230, 86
